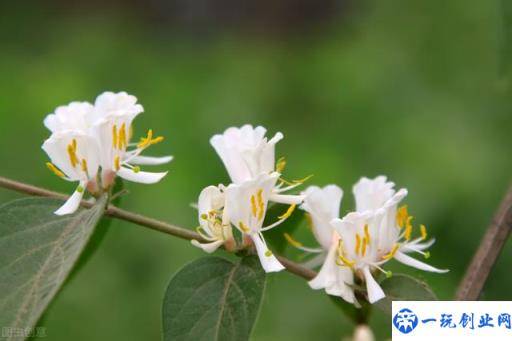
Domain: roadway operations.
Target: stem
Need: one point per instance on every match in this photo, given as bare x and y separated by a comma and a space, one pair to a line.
484, 259
141, 220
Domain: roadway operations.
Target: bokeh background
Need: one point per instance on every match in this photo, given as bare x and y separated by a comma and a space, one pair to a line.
416, 90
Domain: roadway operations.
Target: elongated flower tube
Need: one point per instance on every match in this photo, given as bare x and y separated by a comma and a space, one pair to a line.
86, 138
215, 226
247, 153
323, 205
378, 232
246, 206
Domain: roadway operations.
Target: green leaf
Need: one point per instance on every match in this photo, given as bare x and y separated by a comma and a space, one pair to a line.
213, 299
401, 287
37, 251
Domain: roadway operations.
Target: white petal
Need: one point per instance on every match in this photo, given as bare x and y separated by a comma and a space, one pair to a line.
371, 194
407, 260
287, 199
323, 205
140, 177
72, 204
150, 160
268, 262
208, 247
412, 247
327, 274
373, 288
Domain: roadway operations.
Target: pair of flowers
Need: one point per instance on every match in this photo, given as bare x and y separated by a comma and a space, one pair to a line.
360, 243
90, 144
249, 158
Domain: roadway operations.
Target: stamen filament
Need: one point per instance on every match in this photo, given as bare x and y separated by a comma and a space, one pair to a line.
392, 253
358, 243
423, 231
55, 170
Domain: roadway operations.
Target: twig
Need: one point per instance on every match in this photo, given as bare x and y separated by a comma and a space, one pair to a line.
141, 220
484, 259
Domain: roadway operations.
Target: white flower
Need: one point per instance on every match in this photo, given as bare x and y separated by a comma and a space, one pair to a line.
215, 226
246, 206
323, 205
112, 122
377, 233
74, 157
86, 138
247, 153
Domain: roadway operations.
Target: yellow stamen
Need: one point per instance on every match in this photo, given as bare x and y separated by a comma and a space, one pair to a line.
408, 228
244, 227
261, 204
149, 140
280, 165
122, 143
114, 136
423, 231
117, 163
358, 243
363, 250
345, 261
84, 166
288, 212
292, 241
55, 170
253, 206
72, 154
392, 253
401, 216
367, 234
73, 144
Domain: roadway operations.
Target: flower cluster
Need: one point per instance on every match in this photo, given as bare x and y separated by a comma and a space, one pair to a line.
357, 245
90, 144
249, 158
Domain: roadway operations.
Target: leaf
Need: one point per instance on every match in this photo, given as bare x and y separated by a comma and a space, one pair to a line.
213, 299
404, 288
37, 252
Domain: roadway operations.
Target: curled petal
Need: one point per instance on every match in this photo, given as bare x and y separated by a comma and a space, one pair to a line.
140, 177
375, 292
287, 199
72, 204
407, 260
208, 247
268, 261
150, 160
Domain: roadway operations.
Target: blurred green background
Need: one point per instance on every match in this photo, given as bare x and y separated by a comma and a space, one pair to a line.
416, 90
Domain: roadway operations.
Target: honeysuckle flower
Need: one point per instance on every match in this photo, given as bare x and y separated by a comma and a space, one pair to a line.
378, 232
323, 205
215, 226
246, 206
112, 126
74, 157
247, 153
86, 138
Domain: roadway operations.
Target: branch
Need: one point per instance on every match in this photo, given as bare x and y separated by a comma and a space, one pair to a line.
141, 220
484, 259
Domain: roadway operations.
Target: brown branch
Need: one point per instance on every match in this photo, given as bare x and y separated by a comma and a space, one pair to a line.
490, 248
141, 220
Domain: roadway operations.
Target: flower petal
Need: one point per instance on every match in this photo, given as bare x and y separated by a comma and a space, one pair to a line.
375, 292
407, 260
150, 160
208, 247
268, 261
72, 204
286, 198
140, 177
